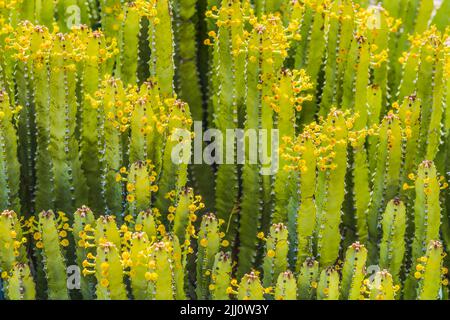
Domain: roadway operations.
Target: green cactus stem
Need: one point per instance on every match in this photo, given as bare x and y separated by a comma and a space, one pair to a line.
353, 271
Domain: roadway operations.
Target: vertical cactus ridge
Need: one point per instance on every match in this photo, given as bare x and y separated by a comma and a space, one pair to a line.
386, 178
208, 247
221, 276
430, 274
382, 287
53, 258
275, 259
328, 287
308, 278
330, 192
392, 246
324, 123
250, 287
286, 288
353, 271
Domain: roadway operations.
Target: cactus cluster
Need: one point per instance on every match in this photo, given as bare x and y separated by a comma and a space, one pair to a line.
337, 188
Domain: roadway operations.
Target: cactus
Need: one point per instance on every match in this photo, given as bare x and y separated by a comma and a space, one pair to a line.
208, 247
430, 272
275, 260
328, 287
392, 246
286, 288
308, 280
53, 258
250, 287
101, 103
330, 187
353, 271
221, 276
20, 284
382, 286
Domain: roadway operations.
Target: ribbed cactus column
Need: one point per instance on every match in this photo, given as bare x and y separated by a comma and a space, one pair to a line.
386, 179
228, 90
176, 155
221, 276
275, 260
353, 271
9, 162
392, 246
208, 247
53, 258
427, 218
92, 72
330, 190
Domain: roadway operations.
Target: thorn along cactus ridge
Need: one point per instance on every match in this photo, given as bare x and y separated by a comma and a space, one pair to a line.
321, 169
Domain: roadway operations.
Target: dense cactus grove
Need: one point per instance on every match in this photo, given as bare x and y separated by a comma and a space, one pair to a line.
95, 96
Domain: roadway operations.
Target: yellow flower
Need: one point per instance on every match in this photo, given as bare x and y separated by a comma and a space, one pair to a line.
130, 198
130, 187
4, 275
65, 243
417, 275
170, 217
39, 244
271, 253
104, 283
37, 236
151, 276
225, 243
260, 235
204, 242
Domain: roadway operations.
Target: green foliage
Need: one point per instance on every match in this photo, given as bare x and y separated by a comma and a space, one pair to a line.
99, 102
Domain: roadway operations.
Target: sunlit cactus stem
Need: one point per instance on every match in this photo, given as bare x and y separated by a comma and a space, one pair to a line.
328, 288
208, 247
250, 287
9, 162
393, 246
308, 280
221, 277
382, 287
430, 273
330, 189
20, 284
109, 272
53, 258
286, 287
353, 272
275, 259
83, 219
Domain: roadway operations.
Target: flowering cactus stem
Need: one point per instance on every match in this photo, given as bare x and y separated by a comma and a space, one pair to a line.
221, 277
308, 280
353, 271
275, 260
109, 272
250, 287
208, 247
10, 175
84, 218
54, 262
431, 272
20, 285
328, 288
306, 215
228, 84
330, 189
392, 246
387, 175
382, 286
286, 288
